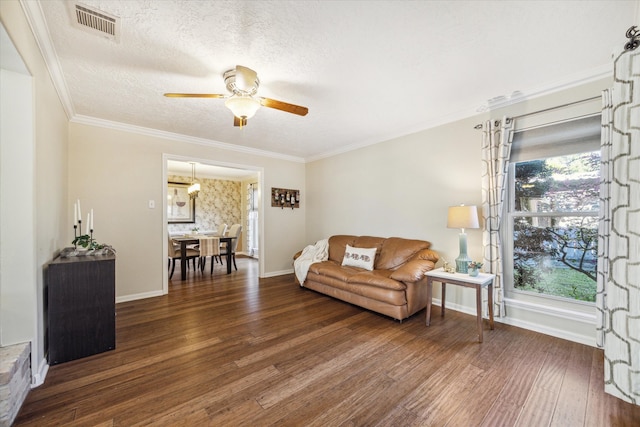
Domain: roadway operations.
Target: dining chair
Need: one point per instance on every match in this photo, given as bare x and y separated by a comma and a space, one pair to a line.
209, 246
234, 231
174, 254
222, 228
220, 232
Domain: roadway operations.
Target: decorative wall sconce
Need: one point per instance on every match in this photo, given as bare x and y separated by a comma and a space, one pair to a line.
285, 198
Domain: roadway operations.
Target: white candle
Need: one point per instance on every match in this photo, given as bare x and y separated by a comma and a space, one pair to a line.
88, 220
79, 211
75, 214
92, 219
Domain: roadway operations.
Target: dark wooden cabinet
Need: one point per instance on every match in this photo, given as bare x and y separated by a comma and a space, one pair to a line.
80, 307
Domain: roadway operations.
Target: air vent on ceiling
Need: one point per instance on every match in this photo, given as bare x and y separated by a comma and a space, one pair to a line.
96, 21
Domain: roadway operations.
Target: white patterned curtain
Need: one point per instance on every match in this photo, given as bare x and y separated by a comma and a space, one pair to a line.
496, 149
618, 294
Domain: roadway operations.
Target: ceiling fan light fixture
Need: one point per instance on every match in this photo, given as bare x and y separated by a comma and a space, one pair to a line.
243, 107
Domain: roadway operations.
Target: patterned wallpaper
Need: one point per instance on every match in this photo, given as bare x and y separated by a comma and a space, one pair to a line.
219, 201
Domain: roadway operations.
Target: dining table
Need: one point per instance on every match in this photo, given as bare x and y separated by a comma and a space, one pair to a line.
190, 240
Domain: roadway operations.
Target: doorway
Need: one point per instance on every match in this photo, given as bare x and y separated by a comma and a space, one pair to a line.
218, 177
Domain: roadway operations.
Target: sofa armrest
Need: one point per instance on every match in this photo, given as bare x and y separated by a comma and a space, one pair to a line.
413, 271
297, 255
427, 255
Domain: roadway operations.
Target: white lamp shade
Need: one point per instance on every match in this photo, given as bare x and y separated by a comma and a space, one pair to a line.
194, 188
463, 217
243, 107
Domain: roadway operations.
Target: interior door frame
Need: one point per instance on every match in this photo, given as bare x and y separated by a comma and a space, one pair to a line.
260, 171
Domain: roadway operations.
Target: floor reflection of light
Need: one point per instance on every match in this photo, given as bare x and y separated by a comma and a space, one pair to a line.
244, 284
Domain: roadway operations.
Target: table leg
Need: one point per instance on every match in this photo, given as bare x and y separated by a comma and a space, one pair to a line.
443, 298
490, 290
183, 260
229, 261
479, 311
429, 295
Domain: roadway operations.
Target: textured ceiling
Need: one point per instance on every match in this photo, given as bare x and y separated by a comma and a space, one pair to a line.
367, 71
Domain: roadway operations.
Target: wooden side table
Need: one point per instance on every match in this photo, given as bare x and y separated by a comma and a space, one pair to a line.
480, 281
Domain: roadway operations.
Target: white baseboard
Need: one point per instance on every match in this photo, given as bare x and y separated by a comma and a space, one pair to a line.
143, 295
558, 333
554, 332
278, 273
38, 377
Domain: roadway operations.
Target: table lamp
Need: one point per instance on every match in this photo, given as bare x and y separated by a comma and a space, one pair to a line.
462, 217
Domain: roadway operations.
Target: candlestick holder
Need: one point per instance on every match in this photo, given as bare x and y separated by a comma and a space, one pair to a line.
84, 244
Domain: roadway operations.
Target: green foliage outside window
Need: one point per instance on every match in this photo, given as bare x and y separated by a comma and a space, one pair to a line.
555, 239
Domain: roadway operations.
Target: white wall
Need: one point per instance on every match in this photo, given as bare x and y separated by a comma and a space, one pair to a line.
48, 161
401, 187
116, 172
18, 302
404, 186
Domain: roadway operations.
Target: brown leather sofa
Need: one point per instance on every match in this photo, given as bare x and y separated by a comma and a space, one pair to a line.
395, 287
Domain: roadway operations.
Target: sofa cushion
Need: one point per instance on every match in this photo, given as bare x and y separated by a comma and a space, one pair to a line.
396, 251
337, 245
359, 257
334, 270
379, 278
389, 296
370, 242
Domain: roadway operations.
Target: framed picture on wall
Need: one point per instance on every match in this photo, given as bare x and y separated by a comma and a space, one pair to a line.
181, 209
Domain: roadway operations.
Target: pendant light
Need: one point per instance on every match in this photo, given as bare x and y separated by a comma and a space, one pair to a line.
194, 188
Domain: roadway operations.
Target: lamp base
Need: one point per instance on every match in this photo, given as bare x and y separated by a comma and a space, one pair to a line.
462, 264
463, 260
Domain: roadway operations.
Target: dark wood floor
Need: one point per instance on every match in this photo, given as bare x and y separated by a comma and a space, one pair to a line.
234, 350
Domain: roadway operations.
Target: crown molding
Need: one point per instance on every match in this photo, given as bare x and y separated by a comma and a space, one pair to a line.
495, 103
38, 24
35, 18
549, 89
93, 121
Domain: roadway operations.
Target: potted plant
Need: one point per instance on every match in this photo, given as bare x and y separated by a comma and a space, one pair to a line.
473, 268
91, 246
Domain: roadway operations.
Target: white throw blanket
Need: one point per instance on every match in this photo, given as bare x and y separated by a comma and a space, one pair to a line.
311, 254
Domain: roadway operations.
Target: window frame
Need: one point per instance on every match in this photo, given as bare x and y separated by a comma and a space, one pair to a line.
569, 137
509, 213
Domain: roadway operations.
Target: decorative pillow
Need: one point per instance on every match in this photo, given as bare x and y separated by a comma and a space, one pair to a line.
359, 257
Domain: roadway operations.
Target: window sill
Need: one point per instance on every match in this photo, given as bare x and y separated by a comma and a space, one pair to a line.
551, 310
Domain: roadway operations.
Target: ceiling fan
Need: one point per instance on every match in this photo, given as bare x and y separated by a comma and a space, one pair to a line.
243, 84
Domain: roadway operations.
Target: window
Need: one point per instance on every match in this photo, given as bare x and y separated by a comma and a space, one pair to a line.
552, 215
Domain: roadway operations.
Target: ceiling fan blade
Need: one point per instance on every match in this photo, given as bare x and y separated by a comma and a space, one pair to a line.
239, 122
284, 106
194, 95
